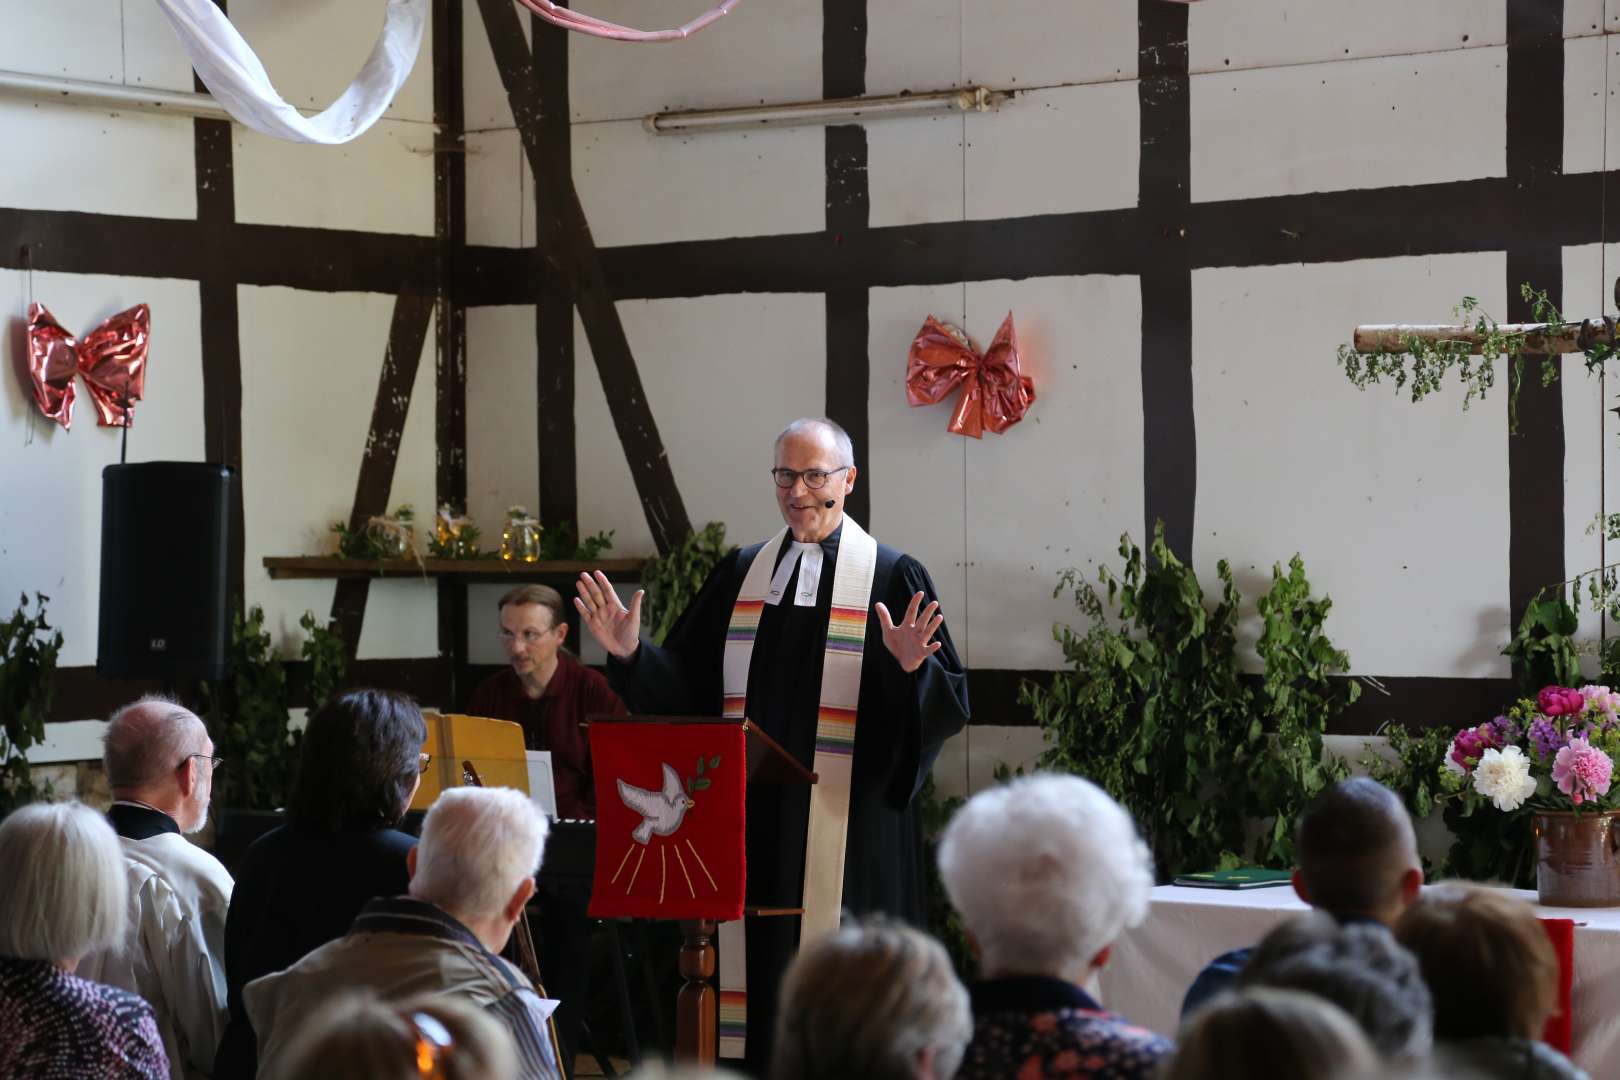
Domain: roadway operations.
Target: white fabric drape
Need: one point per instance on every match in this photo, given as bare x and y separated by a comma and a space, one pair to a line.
233, 74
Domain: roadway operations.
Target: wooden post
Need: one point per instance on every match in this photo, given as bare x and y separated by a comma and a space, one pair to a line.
697, 1019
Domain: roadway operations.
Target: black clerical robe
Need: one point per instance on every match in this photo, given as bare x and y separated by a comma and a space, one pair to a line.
901, 721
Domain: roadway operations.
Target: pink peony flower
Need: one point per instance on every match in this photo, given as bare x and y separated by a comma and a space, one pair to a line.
1582, 771
1560, 701
1470, 744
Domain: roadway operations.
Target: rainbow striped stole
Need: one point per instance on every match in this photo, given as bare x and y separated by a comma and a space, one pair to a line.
835, 747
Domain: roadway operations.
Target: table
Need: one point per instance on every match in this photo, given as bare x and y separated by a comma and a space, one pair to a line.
1152, 966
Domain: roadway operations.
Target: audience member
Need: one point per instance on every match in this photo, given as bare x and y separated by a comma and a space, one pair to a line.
1358, 967
62, 896
301, 885
1495, 980
876, 1000
1265, 1034
1047, 871
424, 1038
471, 876
1357, 860
160, 765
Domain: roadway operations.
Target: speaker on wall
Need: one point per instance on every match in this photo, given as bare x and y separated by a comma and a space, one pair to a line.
165, 551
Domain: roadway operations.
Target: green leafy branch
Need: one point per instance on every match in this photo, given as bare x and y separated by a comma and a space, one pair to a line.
1422, 365
29, 647
674, 578
1155, 709
698, 782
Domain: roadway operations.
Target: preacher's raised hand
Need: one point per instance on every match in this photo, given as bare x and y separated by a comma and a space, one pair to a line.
615, 627
909, 641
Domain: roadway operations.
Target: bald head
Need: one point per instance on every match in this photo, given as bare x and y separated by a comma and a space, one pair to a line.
152, 753
819, 429
1357, 852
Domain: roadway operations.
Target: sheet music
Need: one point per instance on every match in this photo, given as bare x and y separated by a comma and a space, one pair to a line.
541, 788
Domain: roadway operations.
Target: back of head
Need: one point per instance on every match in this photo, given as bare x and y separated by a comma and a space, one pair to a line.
1046, 872
62, 883
437, 1036
361, 761
1489, 962
1355, 845
478, 845
147, 740
1264, 1033
1361, 969
867, 1001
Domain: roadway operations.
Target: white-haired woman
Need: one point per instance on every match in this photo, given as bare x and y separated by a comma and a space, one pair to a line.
876, 1000
62, 896
1047, 872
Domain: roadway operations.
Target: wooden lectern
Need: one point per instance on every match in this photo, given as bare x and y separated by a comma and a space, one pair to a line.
697, 1006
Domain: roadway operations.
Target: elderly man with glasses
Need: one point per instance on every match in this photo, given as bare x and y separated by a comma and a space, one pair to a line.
835, 646
160, 765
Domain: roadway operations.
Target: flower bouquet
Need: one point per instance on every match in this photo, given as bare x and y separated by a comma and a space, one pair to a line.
1550, 760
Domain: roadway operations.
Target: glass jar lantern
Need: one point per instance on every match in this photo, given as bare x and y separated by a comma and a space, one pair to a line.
520, 540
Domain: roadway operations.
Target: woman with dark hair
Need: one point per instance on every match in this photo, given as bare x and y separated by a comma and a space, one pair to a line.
301, 885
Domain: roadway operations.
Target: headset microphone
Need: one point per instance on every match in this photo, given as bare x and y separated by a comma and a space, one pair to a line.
829, 503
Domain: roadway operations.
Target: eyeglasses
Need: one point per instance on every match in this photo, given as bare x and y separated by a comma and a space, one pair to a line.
433, 1039
529, 637
426, 758
814, 479
213, 762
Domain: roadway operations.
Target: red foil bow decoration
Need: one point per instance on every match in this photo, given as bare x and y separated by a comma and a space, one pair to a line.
112, 359
995, 394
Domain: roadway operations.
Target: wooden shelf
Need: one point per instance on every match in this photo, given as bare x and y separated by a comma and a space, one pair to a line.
284, 568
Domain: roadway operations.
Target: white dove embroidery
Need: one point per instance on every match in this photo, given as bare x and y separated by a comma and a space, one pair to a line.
661, 811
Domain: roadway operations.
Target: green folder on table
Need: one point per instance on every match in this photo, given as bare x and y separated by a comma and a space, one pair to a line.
1251, 878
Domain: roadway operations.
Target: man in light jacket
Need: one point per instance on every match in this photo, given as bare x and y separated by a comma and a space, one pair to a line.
160, 765
471, 876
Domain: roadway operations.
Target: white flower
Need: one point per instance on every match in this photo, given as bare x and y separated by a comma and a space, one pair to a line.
1503, 776
1451, 760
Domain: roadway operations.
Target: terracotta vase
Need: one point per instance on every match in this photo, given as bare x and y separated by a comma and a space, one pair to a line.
1577, 858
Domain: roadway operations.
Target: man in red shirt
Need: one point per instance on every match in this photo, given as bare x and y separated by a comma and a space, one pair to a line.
549, 692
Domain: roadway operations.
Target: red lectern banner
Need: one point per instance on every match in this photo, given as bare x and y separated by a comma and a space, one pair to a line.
669, 820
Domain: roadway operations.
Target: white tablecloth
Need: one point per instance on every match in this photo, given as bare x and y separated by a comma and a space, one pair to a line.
1153, 965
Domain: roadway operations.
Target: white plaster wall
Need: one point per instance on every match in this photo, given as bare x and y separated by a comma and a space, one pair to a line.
50, 479
304, 429
503, 428
1352, 124
1284, 101
1399, 510
310, 361
1591, 461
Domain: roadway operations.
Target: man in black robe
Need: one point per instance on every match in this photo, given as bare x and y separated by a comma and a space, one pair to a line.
913, 696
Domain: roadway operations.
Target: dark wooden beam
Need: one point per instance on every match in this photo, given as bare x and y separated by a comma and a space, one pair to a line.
554, 304
1535, 163
848, 309
1170, 443
582, 265
407, 334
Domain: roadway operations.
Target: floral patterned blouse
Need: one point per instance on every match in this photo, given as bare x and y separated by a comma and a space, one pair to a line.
56, 1026
1035, 1027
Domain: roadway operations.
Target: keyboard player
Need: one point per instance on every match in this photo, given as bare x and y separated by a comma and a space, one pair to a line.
548, 692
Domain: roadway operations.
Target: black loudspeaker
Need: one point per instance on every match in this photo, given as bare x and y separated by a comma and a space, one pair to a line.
165, 552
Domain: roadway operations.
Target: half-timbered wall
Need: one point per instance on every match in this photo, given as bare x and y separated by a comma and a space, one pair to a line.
280, 277
1187, 207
